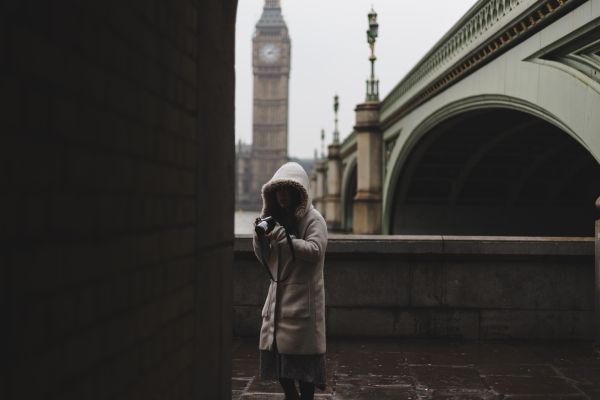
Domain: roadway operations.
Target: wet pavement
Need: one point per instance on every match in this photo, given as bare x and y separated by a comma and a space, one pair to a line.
437, 369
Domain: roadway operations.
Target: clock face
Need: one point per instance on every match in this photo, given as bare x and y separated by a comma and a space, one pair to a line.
269, 52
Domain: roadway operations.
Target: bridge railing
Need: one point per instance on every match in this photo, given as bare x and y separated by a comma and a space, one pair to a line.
485, 31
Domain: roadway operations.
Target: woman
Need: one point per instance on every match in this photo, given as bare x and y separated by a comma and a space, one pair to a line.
292, 336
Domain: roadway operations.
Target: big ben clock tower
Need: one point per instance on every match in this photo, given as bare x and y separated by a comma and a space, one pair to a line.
271, 62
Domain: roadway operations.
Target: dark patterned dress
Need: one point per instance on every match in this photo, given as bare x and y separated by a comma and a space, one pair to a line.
300, 367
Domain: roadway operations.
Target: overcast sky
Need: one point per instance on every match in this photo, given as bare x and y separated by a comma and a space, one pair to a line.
330, 55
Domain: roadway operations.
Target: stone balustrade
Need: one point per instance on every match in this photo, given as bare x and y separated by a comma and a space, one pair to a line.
441, 286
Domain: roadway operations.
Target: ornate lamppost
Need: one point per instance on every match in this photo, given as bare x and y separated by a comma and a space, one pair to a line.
322, 143
372, 33
367, 206
336, 107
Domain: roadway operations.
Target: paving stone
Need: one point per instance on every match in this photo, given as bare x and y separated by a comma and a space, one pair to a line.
567, 354
429, 345
439, 358
583, 376
505, 353
463, 395
530, 385
264, 386
354, 392
367, 346
374, 380
593, 394
434, 377
548, 397
262, 396
438, 370
517, 370
383, 364
272, 396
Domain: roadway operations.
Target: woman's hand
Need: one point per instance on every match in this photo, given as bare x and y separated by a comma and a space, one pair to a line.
276, 234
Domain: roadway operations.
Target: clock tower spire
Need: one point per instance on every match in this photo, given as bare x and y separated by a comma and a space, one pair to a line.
271, 50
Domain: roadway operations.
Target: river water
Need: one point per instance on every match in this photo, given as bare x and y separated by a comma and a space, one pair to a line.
244, 221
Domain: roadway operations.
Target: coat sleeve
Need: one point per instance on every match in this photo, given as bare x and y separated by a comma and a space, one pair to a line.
257, 250
313, 246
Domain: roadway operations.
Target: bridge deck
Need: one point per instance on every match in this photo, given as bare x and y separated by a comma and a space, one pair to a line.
438, 369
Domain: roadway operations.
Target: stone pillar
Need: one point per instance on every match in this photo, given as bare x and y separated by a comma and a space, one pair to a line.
597, 279
313, 184
367, 203
333, 207
321, 167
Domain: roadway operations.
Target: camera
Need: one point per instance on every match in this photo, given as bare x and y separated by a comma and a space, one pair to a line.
264, 225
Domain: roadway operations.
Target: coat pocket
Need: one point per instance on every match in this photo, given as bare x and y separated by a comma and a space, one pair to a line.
295, 301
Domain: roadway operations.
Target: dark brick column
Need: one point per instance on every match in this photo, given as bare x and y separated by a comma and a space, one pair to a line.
116, 209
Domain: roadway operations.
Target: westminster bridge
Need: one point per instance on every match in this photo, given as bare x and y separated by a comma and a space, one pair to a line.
494, 132
466, 197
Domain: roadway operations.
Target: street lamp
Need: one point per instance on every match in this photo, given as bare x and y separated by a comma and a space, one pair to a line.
336, 132
372, 33
322, 143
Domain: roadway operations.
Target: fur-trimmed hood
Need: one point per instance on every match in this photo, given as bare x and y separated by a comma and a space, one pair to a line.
289, 174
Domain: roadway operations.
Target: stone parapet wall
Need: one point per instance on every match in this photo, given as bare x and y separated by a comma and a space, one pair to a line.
441, 286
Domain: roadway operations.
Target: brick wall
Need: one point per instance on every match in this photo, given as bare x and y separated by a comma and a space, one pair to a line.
116, 151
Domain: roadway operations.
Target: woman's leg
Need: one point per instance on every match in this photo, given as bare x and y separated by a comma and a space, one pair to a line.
289, 388
307, 390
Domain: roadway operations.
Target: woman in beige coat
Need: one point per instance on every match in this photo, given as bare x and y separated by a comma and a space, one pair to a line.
292, 336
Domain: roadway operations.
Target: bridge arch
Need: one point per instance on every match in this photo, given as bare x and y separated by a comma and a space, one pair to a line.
516, 209
349, 186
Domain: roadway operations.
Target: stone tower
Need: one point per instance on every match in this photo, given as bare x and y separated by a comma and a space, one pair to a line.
271, 65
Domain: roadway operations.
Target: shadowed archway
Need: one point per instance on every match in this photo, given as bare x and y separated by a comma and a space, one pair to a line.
496, 171
348, 198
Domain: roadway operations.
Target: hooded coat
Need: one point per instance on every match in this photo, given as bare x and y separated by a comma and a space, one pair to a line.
294, 311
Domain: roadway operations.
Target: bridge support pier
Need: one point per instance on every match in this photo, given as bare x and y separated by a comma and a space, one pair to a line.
597, 281
333, 208
321, 189
367, 203
313, 185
